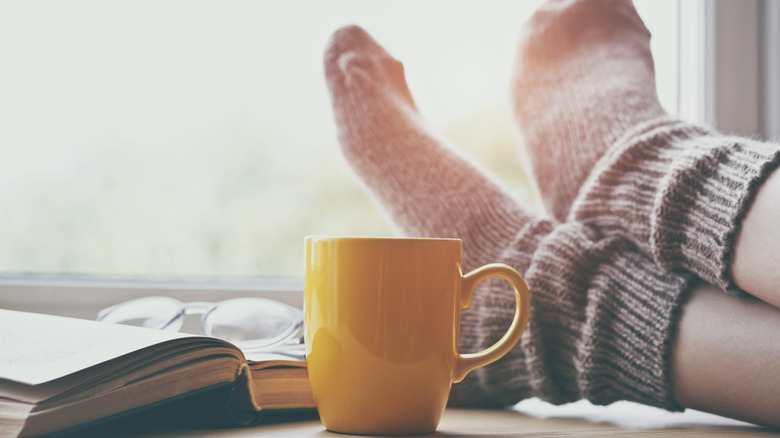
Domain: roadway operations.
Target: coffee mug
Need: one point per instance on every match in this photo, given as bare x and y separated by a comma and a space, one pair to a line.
382, 320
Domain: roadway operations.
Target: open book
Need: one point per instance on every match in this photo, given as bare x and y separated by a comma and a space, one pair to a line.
59, 373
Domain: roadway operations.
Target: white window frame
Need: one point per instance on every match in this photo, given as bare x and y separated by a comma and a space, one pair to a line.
735, 83
84, 297
770, 69
734, 86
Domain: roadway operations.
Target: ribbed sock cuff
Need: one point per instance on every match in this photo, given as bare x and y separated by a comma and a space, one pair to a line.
680, 191
611, 338
603, 320
706, 197
506, 381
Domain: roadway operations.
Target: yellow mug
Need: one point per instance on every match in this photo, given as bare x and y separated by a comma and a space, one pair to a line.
382, 320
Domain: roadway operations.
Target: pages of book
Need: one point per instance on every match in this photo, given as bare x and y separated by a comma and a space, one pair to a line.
39, 348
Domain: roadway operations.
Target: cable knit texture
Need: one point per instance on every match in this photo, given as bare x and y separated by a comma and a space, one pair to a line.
679, 191
603, 315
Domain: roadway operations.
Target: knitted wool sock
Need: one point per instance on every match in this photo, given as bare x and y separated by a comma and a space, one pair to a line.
680, 192
427, 188
586, 105
603, 314
602, 325
583, 76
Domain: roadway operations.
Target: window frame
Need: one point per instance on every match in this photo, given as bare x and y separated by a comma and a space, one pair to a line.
735, 85
84, 297
770, 68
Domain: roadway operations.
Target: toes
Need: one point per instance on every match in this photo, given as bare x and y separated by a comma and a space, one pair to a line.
566, 24
352, 51
355, 59
351, 39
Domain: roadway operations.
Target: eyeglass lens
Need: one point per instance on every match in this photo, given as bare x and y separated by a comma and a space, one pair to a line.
252, 324
162, 313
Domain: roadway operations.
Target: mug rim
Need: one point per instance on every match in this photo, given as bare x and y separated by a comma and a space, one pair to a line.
384, 238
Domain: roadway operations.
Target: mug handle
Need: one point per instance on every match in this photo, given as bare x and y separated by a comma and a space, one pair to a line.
470, 361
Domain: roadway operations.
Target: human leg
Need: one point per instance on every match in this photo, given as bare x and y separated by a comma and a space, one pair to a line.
756, 264
584, 89
726, 355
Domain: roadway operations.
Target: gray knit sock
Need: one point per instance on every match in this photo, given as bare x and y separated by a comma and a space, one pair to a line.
583, 76
603, 314
586, 106
603, 321
680, 192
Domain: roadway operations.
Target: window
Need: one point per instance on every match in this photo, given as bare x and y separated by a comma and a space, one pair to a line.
194, 139
730, 65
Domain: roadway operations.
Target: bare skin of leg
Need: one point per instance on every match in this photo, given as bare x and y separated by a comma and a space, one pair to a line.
756, 264
726, 357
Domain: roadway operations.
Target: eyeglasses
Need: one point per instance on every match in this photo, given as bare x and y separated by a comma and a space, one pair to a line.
255, 325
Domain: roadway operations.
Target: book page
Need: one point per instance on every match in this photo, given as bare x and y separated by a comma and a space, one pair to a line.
270, 359
39, 348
